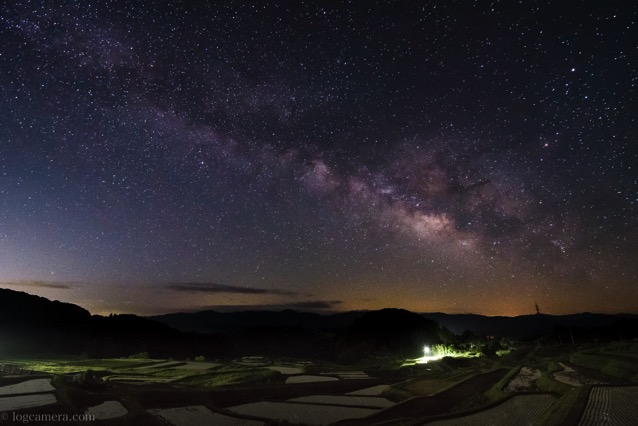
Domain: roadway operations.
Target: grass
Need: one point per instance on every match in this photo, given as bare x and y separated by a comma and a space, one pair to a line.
547, 383
77, 366
623, 368
115, 363
165, 373
59, 368
628, 348
211, 380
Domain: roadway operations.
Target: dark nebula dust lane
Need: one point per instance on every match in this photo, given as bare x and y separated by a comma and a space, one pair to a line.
449, 156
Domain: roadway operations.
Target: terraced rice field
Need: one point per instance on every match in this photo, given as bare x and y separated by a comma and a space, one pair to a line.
198, 366
611, 406
573, 378
347, 375
29, 386
310, 379
254, 361
518, 410
311, 414
286, 369
348, 400
9, 403
324, 376
319, 409
435, 395
107, 410
163, 364
372, 391
141, 379
27, 394
199, 415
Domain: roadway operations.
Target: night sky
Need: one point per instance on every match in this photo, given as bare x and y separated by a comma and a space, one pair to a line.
455, 156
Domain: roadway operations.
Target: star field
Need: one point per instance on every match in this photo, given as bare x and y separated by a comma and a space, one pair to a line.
445, 156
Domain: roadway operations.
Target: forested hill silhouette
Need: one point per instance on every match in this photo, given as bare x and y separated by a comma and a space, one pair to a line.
522, 327
21, 309
210, 321
525, 327
35, 326
394, 332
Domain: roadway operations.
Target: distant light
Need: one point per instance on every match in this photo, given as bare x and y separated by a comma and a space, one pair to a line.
427, 350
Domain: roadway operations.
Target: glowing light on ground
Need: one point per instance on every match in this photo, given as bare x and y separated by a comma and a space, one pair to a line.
438, 352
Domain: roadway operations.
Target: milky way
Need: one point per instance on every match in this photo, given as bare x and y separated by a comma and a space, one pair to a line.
446, 156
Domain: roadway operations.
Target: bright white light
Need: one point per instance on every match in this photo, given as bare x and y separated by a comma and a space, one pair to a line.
428, 355
427, 358
436, 353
